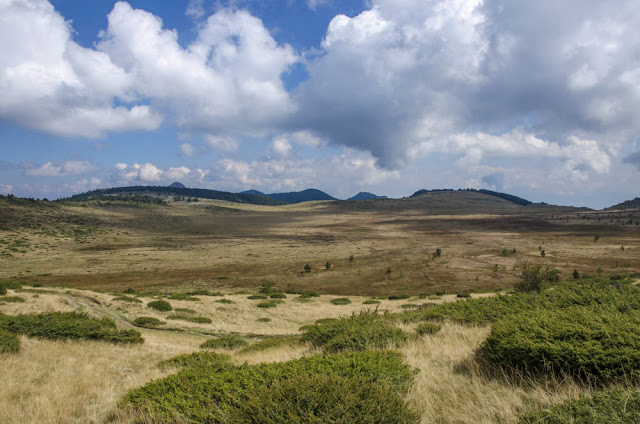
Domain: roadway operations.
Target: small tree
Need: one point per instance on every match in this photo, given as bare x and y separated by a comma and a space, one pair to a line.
576, 274
351, 259
596, 238
533, 274
542, 253
327, 265
307, 268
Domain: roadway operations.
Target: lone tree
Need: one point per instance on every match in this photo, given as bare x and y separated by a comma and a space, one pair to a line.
327, 266
533, 274
576, 274
307, 268
351, 259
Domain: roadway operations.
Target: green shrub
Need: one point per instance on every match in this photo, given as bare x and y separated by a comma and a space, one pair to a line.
13, 299
595, 344
604, 407
271, 343
148, 322
341, 301
278, 296
428, 328
358, 332
198, 359
68, 325
434, 297
160, 305
228, 341
371, 302
211, 389
269, 303
197, 320
399, 296
534, 274
463, 295
263, 320
11, 285
3, 291
9, 342
185, 310
183, 296
225, 301
204, 292
257, 297
326, 320
128, 299
409, 306
309, 293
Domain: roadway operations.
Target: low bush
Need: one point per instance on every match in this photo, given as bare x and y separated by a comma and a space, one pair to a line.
68, 325
463, 295
263, 320
225, 301
183, 296
13, 299
346, 388
278, 296
399, 296
409, 306
257, 297
204, 292
308, 294
127, 299
271, 344
185, 310
428, 328
198, 359
197, 320
148, 322
228, 341
595, 344
341, 301
604, 407
11, 285
3, 291
371, 302
359, 332
269, 303
160, 305
9, 342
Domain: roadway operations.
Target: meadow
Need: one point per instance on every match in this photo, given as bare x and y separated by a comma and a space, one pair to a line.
417, 296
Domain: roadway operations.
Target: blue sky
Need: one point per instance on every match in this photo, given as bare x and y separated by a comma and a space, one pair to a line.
538, 99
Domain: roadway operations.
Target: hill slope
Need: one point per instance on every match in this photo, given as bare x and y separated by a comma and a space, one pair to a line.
364, 195
629, 204
301, 196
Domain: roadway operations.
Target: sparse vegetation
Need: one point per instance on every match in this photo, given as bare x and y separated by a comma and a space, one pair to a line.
183, 296
271, 343
371, 302
127, 299
160, 305
197, 320
9, 342
225, 301
12, 299
341, 301
269, 304
229, 342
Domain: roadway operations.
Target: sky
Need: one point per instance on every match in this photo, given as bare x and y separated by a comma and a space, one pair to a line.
538, 99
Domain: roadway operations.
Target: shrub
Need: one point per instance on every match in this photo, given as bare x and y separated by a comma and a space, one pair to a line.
185, 310
257, 297
269, 303
278, 296
409, 306
204, 292
148, 322
229, 341
371, 302
341, 301
225, 301
264, 320
428, 328
463, 295
68, 325
356, 333
210, 389
198, 359
307, 268
9, 342
595, 344
3, 291
271, 344
308, 294
399, 296
13, 299
197, 320
183, 296
607, 406
128, 299
534, 274
11, 285
160, 305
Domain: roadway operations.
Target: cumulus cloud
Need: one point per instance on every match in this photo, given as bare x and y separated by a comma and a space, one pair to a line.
58, 169
5, 188
148, 173
187, 149
633, 159
224, 143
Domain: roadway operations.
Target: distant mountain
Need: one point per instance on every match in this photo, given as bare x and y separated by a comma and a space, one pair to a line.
364, 195
301, 196
202, 193
629, 204
177, 185
509, 197
256, 192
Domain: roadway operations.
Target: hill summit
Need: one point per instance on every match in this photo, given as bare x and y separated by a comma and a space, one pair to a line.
177, 185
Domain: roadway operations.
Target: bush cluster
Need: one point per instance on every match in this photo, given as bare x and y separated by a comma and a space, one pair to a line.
148, 322
271, 344
183, 296
428, 328
160, 305
128, 299
197, 320
359, 332
228, 341
341, 301
347, 388
257, 297
68, 325
9, 342
13, 299
270, 303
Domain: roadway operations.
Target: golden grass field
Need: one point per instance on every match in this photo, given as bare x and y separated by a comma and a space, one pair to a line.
85, 254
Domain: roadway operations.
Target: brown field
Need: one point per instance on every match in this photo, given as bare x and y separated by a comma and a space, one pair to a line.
86, 253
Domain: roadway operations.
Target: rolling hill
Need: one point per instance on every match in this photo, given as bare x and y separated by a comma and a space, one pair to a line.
307, 195
629, 204
364, 195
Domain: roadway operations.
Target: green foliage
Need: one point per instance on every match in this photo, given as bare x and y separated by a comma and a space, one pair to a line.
596, 344
463, 295
327, 266
356, 333
185, 310
197, 320
225, 301
13, 299
148, 322
160, 305
183, 296
228, 341
198, 359
3, 291
263, 320
346, 388
11, 285
269, 303
9, 342
399, 296
341, 301
278, 296
68, 325
428, 328
309, 294
127, 299
307, 268
204, 292
409, 306
371, 302
257, 297
271, 343
534, 274
604, 407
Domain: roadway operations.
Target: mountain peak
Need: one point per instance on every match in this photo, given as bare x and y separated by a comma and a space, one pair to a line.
177, 185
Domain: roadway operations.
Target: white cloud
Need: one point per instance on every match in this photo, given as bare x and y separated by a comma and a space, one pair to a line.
280, 147
187, 149
226, 143
148, 173
5, 188
58, 169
